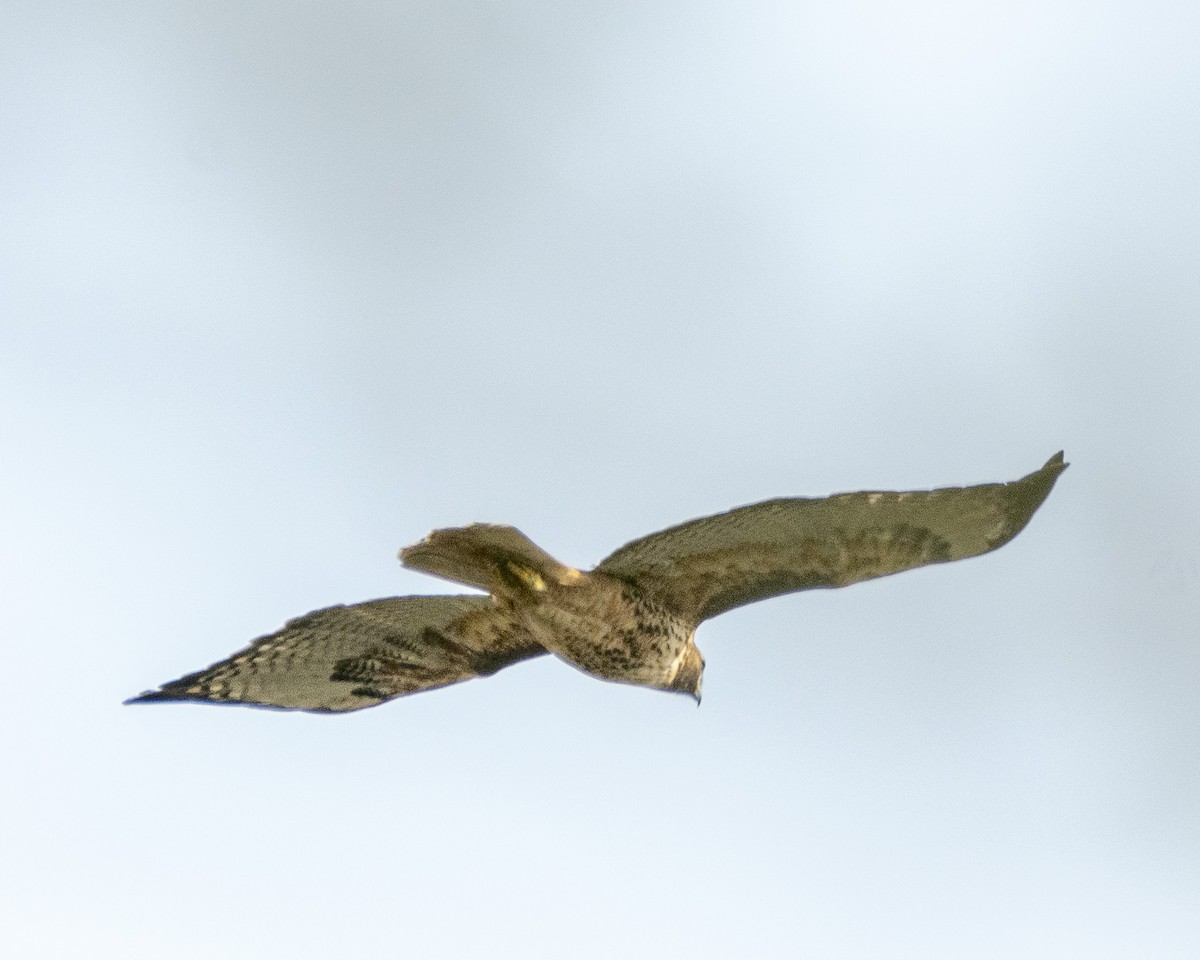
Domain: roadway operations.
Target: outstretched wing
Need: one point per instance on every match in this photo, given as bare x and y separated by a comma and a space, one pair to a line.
704, 567
349, 657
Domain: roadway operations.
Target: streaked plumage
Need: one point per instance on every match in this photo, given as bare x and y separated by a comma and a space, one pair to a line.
632, 619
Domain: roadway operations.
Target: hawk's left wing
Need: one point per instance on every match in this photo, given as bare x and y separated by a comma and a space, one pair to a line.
349, 657
704, 567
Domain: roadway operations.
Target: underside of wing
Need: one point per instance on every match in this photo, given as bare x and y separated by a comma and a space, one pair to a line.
349, 657
704, 567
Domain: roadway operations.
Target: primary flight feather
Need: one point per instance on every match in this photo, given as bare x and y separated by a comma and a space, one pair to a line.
632, 619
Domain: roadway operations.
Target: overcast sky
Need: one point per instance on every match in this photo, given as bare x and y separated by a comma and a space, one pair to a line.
285, 285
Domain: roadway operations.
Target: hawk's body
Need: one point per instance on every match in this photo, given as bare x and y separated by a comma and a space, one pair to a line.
632, 619
604, 625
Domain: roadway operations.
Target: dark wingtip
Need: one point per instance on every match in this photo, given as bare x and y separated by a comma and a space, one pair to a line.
166, 695
151, 696
1024, 496
1037, 486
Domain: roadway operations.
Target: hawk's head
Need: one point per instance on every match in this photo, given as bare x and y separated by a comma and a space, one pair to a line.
689, 673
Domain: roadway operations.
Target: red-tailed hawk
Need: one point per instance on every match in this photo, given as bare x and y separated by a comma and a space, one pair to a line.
631, 620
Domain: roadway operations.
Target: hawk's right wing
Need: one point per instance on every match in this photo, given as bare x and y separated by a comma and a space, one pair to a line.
349, 657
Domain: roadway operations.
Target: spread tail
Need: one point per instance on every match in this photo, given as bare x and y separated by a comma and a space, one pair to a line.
498, 559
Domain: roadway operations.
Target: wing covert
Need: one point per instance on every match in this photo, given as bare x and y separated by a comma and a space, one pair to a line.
707, 566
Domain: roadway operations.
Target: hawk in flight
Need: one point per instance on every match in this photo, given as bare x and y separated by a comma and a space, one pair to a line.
632, 619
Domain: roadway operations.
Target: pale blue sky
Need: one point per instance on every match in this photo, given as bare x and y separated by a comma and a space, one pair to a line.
285, 285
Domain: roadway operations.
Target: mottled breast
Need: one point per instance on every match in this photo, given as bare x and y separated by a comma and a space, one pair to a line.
608, 628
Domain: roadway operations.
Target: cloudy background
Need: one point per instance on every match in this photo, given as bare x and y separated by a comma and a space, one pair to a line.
285, 285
